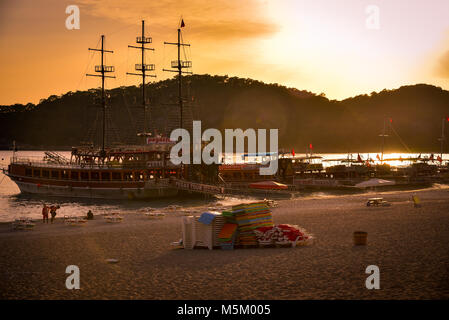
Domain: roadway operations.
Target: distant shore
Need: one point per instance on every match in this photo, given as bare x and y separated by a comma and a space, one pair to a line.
338, 151
409, 245
36, 148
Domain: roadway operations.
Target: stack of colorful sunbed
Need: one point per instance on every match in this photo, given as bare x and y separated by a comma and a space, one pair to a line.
227, 236
246, 224
217, 225
229, 216
249, 217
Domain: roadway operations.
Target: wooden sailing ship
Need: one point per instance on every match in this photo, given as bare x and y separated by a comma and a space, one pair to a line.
126, 172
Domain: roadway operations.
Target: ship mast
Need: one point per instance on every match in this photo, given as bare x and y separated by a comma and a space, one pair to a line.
143, 68
383, 135
178, 66
442, 138
102, 69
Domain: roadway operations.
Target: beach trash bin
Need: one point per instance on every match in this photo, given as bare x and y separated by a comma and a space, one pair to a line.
360, 238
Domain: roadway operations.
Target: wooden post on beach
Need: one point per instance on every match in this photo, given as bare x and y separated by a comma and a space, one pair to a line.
360, 238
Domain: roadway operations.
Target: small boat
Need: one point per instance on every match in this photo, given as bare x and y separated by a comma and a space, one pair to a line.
268, 185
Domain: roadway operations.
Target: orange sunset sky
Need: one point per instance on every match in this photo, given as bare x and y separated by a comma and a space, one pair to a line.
320, 45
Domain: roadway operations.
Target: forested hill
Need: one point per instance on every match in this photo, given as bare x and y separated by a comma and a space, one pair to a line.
351, 125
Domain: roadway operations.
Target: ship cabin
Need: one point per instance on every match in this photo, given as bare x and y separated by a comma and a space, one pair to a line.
126, 164
240, 173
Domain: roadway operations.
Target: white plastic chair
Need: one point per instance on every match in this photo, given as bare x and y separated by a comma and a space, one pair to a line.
188, 232
203, 234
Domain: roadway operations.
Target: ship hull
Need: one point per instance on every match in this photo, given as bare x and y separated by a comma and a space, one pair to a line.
125, 193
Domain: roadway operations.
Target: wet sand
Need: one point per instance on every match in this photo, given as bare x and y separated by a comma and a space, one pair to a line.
409, 245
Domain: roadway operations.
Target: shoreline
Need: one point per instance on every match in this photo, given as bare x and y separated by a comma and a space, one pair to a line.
302, 195
410, 246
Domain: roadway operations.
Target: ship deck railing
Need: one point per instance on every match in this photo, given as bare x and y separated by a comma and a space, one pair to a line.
39, 162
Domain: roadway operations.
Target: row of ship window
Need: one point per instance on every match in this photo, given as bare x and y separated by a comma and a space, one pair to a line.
97, 175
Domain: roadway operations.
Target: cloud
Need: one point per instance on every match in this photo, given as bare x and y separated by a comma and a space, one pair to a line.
219, 19
443, 66
232, 29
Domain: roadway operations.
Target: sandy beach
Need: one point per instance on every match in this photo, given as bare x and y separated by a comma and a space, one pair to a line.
409, 245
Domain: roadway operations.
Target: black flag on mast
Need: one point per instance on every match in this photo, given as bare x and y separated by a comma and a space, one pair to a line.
182, 23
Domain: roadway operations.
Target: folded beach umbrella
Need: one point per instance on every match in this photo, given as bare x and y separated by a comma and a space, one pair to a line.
375, 182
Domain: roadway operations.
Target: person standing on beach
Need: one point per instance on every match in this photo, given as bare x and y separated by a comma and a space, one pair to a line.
44, 213
53, 212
